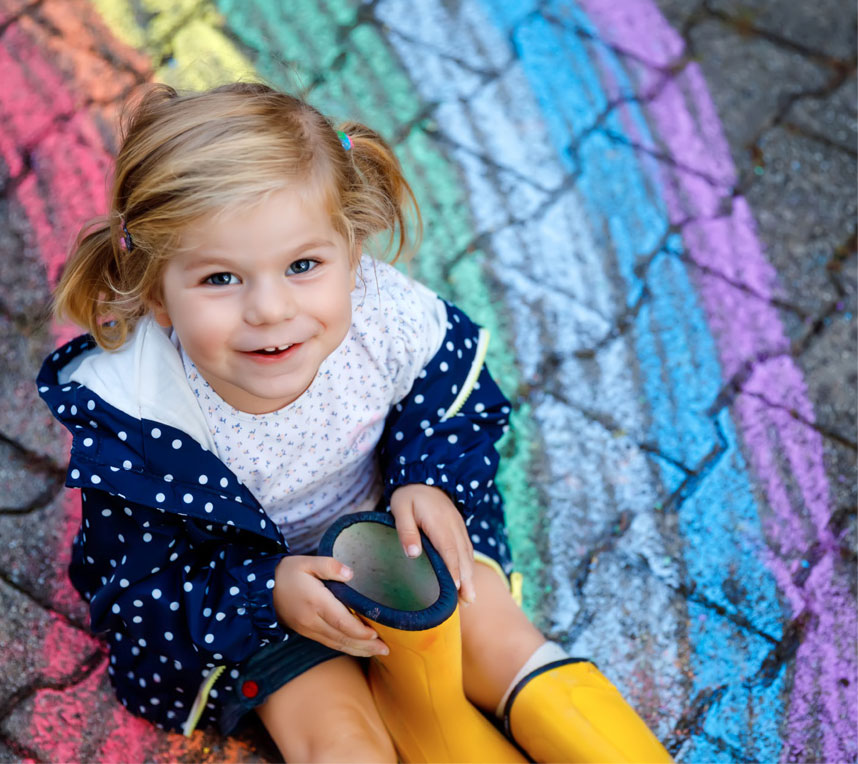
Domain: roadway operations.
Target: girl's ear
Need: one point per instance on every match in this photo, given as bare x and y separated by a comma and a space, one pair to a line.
156, 304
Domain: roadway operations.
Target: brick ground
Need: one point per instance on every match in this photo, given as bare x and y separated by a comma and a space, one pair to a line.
782, 76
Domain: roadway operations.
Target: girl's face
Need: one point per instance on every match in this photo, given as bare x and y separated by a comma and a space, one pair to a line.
259, 297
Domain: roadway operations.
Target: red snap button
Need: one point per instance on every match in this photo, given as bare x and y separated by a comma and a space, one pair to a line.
250, 689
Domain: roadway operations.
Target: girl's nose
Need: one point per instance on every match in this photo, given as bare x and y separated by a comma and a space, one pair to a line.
270, 303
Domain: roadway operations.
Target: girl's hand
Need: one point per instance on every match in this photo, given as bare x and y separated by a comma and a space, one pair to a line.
304, 604
429, 509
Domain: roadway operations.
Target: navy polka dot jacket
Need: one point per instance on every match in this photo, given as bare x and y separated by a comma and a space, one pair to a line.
176, 558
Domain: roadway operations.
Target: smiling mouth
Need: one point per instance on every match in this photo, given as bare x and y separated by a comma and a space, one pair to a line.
273, 350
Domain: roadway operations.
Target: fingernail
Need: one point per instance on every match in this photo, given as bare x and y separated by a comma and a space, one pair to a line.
384, 651
413, 550
346, 572
458, 583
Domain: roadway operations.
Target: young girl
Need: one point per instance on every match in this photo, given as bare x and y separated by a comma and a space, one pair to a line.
249, 377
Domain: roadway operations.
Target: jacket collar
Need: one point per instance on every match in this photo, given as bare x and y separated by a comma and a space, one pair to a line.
144, 378
146, 453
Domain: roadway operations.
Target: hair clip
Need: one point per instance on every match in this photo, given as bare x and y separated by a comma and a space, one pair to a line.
126, 243
344, 139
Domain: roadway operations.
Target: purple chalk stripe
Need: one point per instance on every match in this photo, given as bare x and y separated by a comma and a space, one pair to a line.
744, 326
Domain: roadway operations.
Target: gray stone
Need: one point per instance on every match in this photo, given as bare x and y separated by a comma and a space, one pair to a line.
22, 273
24, 418
805, 208
832, 116
844, 271
623, 638
36, 647
750, 80
37, 550
826, 26
7, 755
71, 722
681, 12
842, 471
25, 482
84, 722
832, 377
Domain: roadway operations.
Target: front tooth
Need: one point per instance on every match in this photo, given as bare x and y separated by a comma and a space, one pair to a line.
270, 350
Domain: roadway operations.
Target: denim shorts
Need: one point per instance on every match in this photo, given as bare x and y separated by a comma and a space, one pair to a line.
266, 672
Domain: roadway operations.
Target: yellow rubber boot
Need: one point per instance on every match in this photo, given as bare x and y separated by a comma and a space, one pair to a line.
412, 604
568, 711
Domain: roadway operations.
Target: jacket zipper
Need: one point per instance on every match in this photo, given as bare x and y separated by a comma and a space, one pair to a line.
473, 374
202, 698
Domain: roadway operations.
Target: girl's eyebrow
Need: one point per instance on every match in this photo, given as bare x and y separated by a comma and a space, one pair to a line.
206, 260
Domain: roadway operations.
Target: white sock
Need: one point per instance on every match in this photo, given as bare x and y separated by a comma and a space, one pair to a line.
547, 653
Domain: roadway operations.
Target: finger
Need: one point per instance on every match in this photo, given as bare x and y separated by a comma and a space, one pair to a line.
338, 617
350, 630
406, 526
327, 635
329, 569
448, 548
467, 592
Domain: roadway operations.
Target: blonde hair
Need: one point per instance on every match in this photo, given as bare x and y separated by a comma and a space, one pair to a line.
186, 156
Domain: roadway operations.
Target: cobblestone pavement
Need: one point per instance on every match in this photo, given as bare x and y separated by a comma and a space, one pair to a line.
653, 207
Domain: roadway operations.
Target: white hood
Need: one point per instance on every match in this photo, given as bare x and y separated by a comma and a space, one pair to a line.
145, 379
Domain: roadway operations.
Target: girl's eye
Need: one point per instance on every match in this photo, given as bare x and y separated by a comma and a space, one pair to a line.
222, 279
302, 266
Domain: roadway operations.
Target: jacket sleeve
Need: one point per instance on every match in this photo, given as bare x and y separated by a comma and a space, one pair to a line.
169, 582
423, 443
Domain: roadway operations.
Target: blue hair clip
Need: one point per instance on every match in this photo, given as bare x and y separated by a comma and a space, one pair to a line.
344, 139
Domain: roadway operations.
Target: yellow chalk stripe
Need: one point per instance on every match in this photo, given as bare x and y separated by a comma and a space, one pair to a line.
119, 16
202, 58
201, 55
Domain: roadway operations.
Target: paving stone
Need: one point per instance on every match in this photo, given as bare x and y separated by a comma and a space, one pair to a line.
24, 484
832, 377
721, 537
803, 213
22, 349
845, 528
85, 53
804, 491
37, 648
446, 66
826, 26
37, 550
627, 641
749, 79
11, 9
85, 722
844, 271
842, 472
7, 754
832, 116
726, 666
22, 272
680, 12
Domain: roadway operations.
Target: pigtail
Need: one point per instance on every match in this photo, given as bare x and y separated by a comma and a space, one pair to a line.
89, 292
382, 200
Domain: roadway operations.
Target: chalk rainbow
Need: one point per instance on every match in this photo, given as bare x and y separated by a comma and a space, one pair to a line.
568, 156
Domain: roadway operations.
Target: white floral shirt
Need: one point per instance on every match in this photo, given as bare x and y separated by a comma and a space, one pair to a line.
313, 460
